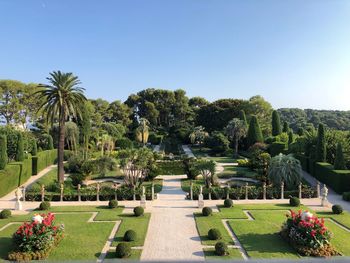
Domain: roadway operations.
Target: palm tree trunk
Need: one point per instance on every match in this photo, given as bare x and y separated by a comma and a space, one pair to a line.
236, 147
60, 148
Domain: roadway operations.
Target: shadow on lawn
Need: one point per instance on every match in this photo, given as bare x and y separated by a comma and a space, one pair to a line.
6, 245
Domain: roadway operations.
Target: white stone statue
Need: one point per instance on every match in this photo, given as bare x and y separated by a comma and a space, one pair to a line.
324, 200
18, 204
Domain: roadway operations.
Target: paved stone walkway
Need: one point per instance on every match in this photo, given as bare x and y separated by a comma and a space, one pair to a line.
172, 232
188, 151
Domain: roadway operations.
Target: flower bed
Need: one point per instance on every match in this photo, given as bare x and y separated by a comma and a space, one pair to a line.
308, 235
35, 240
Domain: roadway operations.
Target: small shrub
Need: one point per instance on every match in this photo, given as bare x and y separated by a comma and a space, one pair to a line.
214, 234
113, 204
45, 205
123, 250
294, 201
337, 209
138, 211
346, 196
221, 249
130, 235
207, 211
228, 203
6, 213
243, 162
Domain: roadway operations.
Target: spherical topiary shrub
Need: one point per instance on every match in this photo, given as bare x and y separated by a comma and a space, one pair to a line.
138, 211
294, 201
221, 249
206, 211
5, 214
130, 235
113, 204
228, 203
214, 234
45, 205
337, 209
123, 250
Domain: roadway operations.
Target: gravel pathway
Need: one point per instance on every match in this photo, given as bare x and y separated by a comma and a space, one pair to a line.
172, 232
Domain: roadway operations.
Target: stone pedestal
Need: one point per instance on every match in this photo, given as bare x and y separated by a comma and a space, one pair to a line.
200, 201
191, 190
18, 205
264, 191
282, 190
143, 201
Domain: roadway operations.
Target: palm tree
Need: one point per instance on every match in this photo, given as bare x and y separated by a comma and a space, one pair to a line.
142, 131
198, 135
285, 168
63, 98
236, 129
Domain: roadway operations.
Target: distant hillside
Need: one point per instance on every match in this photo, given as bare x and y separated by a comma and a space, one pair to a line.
305, 118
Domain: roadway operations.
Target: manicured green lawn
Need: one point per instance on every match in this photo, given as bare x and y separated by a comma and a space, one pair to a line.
47, 179
260, 237
234, 254
236, 171
83, 240
223, 159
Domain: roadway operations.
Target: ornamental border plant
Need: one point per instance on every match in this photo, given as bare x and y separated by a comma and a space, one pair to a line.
308, 235
34, 240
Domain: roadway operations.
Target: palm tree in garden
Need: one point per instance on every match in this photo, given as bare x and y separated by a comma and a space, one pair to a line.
236, 130
198, 135
63, 98
142, 131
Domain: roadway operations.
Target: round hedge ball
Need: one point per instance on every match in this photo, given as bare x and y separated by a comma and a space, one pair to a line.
214, 234
294, 201
138, 211
45, 205
6, 213
228, 203
123, 250
113, 204
130, 235
337, 209
221, 249
206, 211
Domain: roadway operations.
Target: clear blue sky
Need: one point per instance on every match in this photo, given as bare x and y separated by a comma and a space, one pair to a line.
294, 53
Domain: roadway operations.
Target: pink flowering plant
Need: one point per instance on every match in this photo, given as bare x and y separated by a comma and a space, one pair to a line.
305, 229
38, 235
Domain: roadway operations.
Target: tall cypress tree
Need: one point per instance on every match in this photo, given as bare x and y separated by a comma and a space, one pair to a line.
254, 131
321, 144
20, 148
243, 117
3, 151
290, 137
35, 149
276, 123
339, 162
285, 127
49, 142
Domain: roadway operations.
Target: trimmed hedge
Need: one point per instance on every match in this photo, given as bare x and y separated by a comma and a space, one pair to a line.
171, 168
9, 178
338, 180
43, 160
276, 148
304, 161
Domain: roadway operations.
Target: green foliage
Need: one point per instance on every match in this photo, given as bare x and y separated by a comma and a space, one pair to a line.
276, 123
113, 204
221, 249
123, 250
217, 142
214, 234
20, 148
207, 169
9, 178
43, 160
285, 168
228, 203
276, 148
170, 168
290, 137
124, 143
337, 209
243, 118
285, 127
346, 196
34, 149
138, 211
6, 213
294, 201
3, 152
236, 130
207, 211
49, 142
254, 132
44, 205
339, 162
321, 144
130, 235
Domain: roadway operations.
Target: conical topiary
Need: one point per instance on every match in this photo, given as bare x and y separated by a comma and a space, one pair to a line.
339, 162
321, 144
276, 123
20, 148
254, 131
